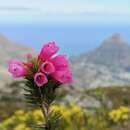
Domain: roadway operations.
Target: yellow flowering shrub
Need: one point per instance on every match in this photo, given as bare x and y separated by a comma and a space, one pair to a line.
21, 120
120, 115
72, 117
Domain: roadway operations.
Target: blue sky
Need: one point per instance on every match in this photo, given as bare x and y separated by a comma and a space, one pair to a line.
64, 11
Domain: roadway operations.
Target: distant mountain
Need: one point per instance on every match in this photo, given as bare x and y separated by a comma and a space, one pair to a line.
113, 51
109, 64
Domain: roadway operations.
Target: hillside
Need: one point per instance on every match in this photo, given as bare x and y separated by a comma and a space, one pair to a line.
107, 65
9, 50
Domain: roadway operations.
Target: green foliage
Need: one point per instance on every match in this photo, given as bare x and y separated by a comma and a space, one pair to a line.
32, 94
36, 95
43, 97
54, 121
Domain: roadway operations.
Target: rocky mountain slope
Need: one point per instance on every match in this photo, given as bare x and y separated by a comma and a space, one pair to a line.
113, 51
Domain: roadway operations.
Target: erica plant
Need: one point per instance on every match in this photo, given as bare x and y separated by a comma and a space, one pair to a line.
43, 75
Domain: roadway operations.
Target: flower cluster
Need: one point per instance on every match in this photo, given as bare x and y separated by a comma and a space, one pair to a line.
120, 115
46, 66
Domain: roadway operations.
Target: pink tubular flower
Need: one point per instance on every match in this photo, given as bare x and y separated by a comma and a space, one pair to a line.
47, 67
64, 76
17, 69
40, 79
60, 61
48, 51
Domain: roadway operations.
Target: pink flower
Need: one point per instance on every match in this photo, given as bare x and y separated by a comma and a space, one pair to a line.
60, 61
64, 76
17, 69
47, 67
48, 51
29, 65
63, 73
40, 79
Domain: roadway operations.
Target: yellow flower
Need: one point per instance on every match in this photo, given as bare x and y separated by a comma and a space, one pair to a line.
124, 109
120, 115
19, 113
20, 127
37, 114
28, 128
125, 117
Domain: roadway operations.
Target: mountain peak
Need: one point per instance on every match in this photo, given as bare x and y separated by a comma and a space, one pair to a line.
116, 36
115, 39
113, 51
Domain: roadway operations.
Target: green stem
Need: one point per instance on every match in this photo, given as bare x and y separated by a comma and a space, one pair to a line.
45, 109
